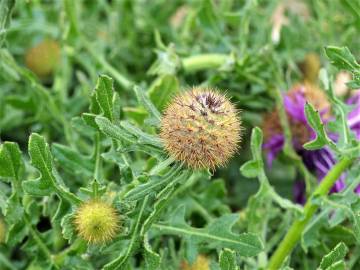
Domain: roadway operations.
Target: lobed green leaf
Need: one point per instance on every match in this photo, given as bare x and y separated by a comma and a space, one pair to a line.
337, 254
314, 120
227, 260
217, 234
104, 96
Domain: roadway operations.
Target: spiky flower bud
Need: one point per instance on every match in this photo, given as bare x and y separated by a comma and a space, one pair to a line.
96, 222
201, 128
43, 58
201, 263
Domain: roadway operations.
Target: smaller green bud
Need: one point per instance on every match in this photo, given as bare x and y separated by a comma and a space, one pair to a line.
96, 222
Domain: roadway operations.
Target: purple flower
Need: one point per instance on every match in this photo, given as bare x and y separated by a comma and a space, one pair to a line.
319, 161
354, 115
299, 192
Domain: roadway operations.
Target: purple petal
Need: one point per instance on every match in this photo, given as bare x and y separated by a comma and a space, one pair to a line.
273, 147
355, 99
354, 115
299, 192
322, 161
295, 106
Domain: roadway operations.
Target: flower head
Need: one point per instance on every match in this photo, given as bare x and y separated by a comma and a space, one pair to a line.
201, 128
320, 161
96, 221
43, 58
354, 115
294, 103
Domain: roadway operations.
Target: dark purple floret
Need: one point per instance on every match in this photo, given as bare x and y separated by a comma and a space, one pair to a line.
354, 115
319, 161
273, 147
299, 192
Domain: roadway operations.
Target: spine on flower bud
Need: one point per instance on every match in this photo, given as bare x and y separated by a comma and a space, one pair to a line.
201, 128
96, 222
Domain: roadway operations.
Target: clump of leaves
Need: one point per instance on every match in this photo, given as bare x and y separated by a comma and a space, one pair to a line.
87, 180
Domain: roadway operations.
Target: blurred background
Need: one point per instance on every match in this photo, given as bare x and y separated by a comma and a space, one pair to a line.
54, 51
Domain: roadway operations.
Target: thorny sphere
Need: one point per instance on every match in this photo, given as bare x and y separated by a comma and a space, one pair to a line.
201, 128
96, 222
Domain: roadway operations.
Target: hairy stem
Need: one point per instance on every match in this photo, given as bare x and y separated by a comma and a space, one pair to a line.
97, 157
75, 28
289, 150
294, 233
204, 61
46, 252
77, 245
120, 78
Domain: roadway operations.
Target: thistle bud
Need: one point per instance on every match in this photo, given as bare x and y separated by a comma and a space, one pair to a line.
201, 263
43, 58
201, 128
96, 222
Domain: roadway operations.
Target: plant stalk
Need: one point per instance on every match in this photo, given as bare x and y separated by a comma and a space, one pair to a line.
44, 249
120, 78
294, 233
204, 61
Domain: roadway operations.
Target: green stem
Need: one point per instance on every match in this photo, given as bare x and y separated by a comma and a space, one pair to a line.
70, 10
97, 156
50, 103
289, 150
75, 27
294, 233
202, 211
121, 79
59, 258
37, 239
67, 195
204, 61
6, 262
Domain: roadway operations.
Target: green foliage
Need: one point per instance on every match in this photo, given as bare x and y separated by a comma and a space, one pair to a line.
49, 180
315, 122
11, 164
90, 131
216, 234
228, 260
343, 59
162, 90
334, 259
